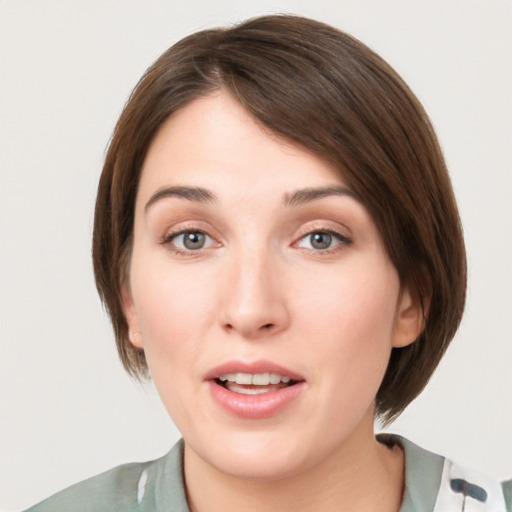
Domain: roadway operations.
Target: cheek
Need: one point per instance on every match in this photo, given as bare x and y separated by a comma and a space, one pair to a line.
349, 319
164, 289
174, 310
353, 301
175, 314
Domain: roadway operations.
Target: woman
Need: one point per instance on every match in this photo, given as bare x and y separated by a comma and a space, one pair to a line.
277, 244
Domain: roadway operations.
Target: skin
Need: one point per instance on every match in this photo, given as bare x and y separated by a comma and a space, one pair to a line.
260, 289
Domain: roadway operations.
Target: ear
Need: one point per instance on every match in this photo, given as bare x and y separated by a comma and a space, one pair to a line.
132, 318
410, 319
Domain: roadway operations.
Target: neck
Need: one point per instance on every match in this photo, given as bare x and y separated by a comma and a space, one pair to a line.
362, 475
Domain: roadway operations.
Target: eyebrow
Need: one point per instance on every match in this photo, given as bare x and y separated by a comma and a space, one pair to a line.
307, 195
202, 195
197, 194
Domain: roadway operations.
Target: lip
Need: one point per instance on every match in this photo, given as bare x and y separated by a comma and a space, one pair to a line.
264, 405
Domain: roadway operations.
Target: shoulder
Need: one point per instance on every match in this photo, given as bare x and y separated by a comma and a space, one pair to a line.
126, 488
507, 490
435, 483
113, 490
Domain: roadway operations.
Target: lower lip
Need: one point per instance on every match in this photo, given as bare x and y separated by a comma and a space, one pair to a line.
263, 405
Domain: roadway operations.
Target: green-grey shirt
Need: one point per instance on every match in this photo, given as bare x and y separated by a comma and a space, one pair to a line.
158, 486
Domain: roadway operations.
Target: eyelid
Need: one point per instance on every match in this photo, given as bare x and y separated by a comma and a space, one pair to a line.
343, 239
174, 234
179, 226
325, 226
170, 235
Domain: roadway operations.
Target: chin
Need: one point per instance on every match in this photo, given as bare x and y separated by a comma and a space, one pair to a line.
256, 456
260, 469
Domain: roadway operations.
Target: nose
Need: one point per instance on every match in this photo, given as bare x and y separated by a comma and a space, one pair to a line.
254, 304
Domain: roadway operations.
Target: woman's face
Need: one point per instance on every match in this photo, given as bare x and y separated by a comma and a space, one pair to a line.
261, 294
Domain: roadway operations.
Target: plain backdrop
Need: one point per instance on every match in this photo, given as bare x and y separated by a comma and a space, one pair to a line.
67, 410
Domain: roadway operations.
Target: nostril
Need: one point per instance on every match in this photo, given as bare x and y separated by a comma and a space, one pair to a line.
249, 329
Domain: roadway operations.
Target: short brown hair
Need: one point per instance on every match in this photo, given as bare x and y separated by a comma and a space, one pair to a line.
330, 93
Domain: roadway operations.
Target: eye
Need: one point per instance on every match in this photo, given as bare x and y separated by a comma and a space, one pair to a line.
187, 241
322, 241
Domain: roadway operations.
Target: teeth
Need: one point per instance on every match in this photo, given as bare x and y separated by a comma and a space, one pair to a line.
231, 377
256, 379
243, 378
275, 379
250, 391
260, 379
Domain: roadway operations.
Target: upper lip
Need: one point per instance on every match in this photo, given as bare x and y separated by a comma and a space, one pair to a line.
259, 366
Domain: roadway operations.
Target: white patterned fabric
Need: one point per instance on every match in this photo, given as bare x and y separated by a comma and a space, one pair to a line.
465, 490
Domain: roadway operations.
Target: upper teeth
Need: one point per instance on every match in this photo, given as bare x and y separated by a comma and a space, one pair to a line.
257, 379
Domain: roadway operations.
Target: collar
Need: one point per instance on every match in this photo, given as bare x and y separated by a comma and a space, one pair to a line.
423, 471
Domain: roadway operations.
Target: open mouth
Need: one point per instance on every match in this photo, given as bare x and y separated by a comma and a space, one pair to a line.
254, 383
254, 390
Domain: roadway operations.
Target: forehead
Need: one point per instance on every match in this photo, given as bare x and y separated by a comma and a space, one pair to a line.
213, 142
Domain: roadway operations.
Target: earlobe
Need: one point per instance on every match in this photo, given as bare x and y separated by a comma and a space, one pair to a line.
410, 320
132, 319
135, 338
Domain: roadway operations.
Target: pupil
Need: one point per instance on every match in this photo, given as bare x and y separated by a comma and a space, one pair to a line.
321, 240
193, 240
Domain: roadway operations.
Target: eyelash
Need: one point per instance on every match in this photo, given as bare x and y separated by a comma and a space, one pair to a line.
169, 237
342, 241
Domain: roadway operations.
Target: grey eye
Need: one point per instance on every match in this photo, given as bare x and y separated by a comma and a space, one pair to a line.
193, 240
323, 241
320, 240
